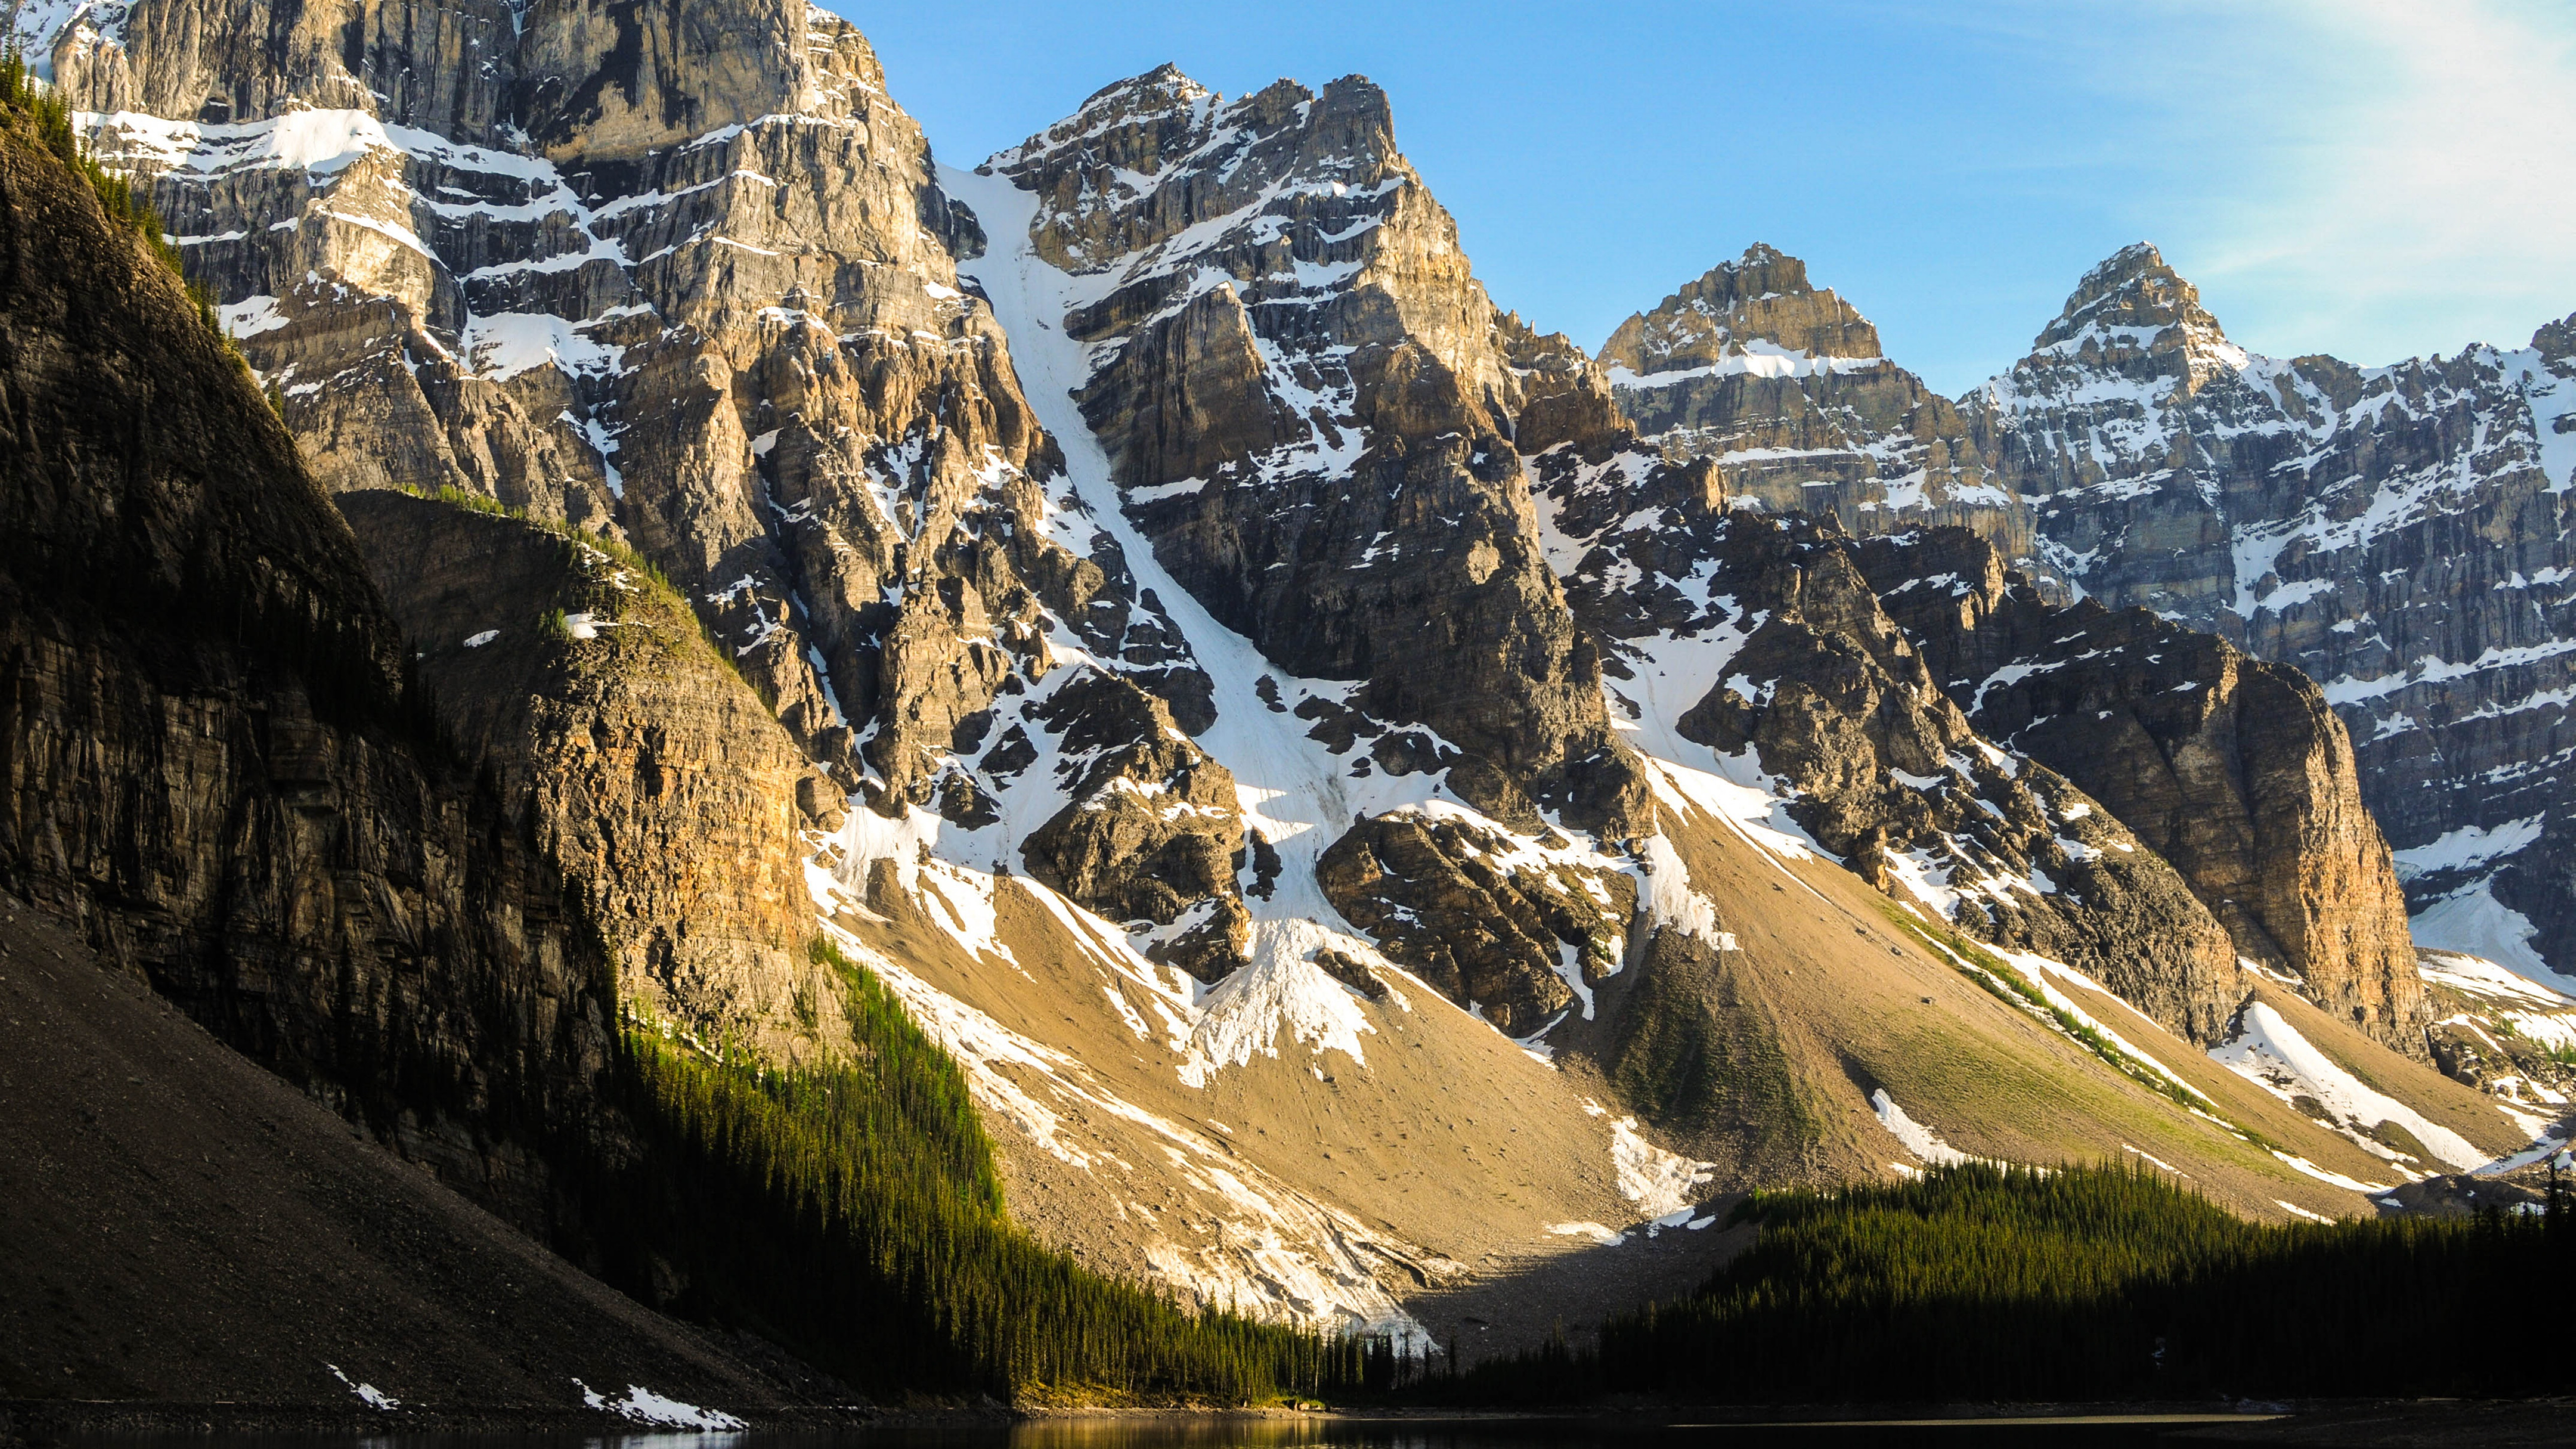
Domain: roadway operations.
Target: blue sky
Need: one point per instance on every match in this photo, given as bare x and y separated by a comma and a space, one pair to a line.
2372, 178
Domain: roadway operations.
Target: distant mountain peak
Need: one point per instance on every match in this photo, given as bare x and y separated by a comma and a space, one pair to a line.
2134, 313
2138, 258
2556, 341
1762, 297
1165, 82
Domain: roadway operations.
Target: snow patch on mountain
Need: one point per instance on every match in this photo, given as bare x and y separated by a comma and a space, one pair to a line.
1922, 1141
2271, 1053
2472, 922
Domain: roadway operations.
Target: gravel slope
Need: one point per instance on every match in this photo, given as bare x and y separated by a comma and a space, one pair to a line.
183, 1227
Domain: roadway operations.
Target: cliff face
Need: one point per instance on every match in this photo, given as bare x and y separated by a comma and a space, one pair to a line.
2232, 768
1266, 705
642, 764
2400, 534
477, 250
1786, 390
2393, 533
213, 766
1306, 400
1765, 643
687, 279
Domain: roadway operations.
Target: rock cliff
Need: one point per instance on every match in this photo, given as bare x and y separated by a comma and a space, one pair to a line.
2400, 534
1261, 706
2394, 533
1785, 388
473, 251
215, 766
2232, 768
640, 762
713, 222
1306, 400
1762, 641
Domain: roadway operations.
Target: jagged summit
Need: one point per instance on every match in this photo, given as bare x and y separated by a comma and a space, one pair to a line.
1761, 303
1156, 92
1162, 116
1785, 388
2134, 312
1167, 79
1262, 694
2556, 341
2394, 531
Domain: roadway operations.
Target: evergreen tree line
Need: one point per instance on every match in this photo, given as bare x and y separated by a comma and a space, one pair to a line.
125, 204
1984, 1283
852, 1213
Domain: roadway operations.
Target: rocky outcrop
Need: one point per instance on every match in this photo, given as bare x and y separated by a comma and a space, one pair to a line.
1488, 920
213, 764
1306, 401
1892, 776
1762, 640
1785, 389
685, 279
2401, 534
2393, 532
2499, 1030
2231, 768
1149, 834
640, 761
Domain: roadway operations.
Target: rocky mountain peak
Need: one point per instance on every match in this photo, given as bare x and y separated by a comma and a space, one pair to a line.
1106, 170
2133, 314
1164, 85
1271, 306
2556, 343
1760, 303
1114, 124
1782, 387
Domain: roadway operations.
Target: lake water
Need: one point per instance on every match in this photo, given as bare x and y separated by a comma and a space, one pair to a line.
1215, 1432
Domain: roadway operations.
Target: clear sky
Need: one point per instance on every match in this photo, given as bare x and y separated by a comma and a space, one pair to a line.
2372, 178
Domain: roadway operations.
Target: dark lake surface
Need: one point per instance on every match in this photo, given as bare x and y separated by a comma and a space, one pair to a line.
1219, 1432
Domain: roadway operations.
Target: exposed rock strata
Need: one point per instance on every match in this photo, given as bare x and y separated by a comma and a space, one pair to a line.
1763, 641
213, 765
642, 763
1149, 833
2231, 768
1521, 941
1307, 401
2401, 534
686, 278
1785, 388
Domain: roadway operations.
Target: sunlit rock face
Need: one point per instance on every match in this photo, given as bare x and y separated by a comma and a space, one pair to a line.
1784, 387
2401, 534
1309, 405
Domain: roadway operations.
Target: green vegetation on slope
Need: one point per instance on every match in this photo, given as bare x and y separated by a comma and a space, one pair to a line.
619, 554
125, 206
1978, 1282
853, 1215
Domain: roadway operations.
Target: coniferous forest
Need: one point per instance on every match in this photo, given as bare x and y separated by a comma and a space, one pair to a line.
2106, 1283
853, 1214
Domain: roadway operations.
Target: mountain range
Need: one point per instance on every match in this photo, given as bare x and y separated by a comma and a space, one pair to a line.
1391, 814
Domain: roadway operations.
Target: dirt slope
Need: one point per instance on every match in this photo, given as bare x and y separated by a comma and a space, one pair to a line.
184, 1227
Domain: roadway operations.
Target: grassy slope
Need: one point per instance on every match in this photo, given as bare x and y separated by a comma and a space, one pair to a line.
1841, 978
